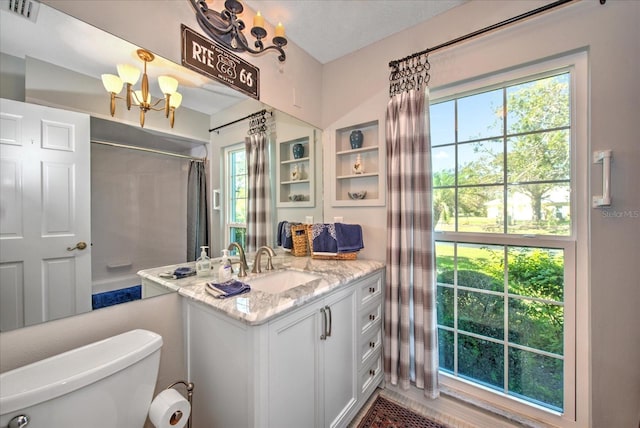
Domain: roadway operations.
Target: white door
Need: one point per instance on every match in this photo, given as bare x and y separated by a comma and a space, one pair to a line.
45, 270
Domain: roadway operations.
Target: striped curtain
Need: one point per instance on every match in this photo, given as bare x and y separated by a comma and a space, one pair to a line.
259, 209
410, 350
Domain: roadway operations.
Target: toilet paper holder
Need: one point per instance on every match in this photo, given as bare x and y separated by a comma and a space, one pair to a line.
189, 387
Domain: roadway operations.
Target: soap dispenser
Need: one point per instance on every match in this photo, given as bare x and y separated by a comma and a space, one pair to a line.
225, 271
203, 264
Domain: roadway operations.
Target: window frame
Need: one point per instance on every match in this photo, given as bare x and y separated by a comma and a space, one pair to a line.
575, 246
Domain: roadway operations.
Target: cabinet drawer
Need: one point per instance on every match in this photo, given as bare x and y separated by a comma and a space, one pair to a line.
370, 316
371, 374
370, 344
371, 290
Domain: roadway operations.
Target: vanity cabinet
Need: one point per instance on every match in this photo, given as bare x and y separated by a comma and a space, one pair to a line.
313, 367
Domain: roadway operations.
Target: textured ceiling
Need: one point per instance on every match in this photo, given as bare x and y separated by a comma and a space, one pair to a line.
330, 29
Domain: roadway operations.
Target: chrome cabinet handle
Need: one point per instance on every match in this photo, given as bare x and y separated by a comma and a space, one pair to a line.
329, 311
79, 246
324, 325
19, 421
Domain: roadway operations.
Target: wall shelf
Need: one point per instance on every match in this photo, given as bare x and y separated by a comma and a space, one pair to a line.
371, 156
295, 192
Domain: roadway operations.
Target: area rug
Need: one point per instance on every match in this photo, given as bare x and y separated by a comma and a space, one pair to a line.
387, 414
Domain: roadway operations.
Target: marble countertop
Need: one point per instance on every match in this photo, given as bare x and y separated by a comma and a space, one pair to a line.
257, 307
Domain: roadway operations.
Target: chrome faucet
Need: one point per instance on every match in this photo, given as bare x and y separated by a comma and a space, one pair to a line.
256, 262
242, 270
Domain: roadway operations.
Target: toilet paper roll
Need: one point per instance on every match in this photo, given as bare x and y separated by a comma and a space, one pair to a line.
169, 410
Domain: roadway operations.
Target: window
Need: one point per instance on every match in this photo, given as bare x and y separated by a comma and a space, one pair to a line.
236, 185
504, 204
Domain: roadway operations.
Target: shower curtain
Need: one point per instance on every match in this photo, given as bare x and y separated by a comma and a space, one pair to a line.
197, 210
411, 343
259, 210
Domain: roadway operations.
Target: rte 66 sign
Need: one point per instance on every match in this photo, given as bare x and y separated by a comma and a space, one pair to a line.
207, 57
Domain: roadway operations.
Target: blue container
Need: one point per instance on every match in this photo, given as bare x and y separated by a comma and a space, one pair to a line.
356, 139
298, 151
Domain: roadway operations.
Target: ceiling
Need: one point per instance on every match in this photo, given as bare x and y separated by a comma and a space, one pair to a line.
330, 29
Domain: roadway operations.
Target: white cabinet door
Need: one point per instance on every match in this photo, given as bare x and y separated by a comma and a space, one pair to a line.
312, 375
295, 371
339, 362
44, 212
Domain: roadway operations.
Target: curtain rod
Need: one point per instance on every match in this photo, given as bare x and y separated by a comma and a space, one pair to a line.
263, 111
485, 30
143, 149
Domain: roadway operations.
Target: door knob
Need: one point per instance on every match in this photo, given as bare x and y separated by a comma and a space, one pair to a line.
19, 421
79, 246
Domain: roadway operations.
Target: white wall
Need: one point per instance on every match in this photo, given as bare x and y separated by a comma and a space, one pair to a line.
356, 86
138, 212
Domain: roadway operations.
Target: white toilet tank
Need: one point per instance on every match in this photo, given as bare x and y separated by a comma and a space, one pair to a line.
107, 384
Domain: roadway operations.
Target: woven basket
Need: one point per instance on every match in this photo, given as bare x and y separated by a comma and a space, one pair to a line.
339, 256
300, 241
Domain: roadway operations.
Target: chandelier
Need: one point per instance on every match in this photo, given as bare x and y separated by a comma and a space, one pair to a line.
142, 98
226, 28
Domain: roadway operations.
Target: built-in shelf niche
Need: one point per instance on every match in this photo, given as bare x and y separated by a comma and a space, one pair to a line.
295, 190
371, 155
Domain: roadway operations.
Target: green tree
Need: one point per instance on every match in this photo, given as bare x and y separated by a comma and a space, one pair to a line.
538, 151
443, 198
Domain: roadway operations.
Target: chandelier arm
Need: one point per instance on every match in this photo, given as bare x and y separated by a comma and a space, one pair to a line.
201, 7
154, 108
260, 48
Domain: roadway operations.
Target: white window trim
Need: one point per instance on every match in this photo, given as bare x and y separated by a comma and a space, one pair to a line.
577, 378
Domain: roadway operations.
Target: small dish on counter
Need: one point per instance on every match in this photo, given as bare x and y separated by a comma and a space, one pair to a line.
358, 195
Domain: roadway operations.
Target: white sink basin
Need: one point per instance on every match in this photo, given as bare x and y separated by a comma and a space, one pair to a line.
280, 281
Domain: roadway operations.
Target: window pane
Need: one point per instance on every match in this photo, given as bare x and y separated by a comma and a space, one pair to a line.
444, 165
445, 306
542, 156
536, 377
536, 272
239, 164
480, 116
481, 266
481, 313
541, 104
238, 235
541, 209
481, 360
445, 349
442, 120
536, 325
444, 209
480, 209
481, 162
444, 262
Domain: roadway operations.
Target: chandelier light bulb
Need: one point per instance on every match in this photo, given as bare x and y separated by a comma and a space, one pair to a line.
112, 83
175, 100
168, 85
138, 98
128, 73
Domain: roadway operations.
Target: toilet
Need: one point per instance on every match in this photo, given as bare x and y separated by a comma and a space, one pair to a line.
105, 384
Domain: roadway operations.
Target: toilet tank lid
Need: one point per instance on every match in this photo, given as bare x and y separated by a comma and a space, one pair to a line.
63, 373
